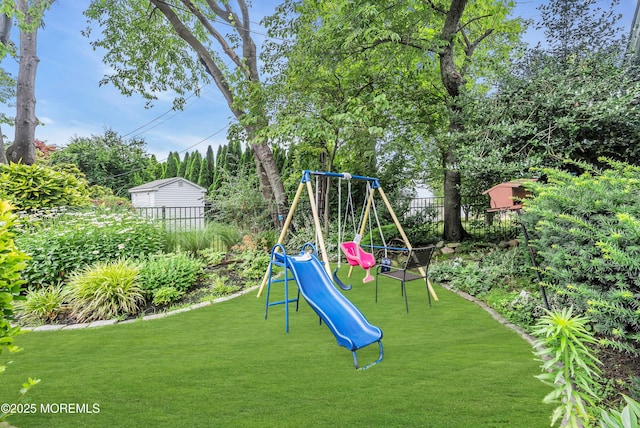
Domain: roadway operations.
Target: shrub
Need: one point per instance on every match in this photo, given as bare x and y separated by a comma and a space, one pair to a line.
254, 264
165, 295
587, 236
105, 290
12, 261
61, 243
41, 306
572, 369
31, 187
174, 271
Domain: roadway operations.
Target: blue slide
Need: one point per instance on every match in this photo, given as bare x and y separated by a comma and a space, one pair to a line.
346, 322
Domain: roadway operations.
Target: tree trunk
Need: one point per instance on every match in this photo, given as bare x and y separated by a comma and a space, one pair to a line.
453, 81
23, 148
271, 185
453, 230
3, 156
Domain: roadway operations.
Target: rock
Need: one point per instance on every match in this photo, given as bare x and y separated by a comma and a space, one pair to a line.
503, 244
440, 244
447, 250
453, 244
513, 243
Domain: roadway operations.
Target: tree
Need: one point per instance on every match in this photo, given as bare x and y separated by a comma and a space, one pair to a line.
193, 169
204, 176
157, 46
325, 104
108, 160
173, 164
575, 98
426, 57
29, 16
576, 28
182, 170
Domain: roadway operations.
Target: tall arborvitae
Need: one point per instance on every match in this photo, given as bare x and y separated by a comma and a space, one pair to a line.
173, 164
158, 168
280, 157
204, 178
221, 167
211, 164
247, 157
193, 169
183, 165
234, 156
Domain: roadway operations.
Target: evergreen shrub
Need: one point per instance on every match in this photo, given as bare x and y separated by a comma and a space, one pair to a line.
586, 230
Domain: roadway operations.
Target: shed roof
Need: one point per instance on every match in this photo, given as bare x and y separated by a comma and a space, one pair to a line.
156, 185
513, 183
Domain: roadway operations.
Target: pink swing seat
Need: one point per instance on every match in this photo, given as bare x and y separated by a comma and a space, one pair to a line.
357, 256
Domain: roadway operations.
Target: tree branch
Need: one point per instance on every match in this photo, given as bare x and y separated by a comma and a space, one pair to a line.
216, 35
437, 8
203, 54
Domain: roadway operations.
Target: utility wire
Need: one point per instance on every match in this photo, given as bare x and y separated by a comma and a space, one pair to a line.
164, 160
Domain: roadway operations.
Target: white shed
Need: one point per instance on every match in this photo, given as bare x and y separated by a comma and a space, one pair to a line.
177, 201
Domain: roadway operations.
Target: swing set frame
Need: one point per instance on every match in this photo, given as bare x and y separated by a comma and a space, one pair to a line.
305, 182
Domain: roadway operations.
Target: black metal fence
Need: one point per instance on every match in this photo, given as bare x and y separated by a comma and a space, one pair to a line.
177, 219
421, 218
427, 215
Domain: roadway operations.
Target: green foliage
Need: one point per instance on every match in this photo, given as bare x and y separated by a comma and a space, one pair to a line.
12, 261
502, 278
239, 203
628, 417
254, 263
212, 257
586, 231
41, 306
569, 366
60, 243
165, 278
220, 286
166, 295
108, 160
31, 187
105, 290
215, 236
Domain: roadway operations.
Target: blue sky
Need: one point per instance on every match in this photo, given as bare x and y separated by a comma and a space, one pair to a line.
70, 102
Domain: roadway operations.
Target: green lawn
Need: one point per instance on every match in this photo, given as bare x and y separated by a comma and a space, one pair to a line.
450, 365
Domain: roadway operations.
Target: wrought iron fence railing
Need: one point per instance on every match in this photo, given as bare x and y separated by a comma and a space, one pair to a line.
422, 218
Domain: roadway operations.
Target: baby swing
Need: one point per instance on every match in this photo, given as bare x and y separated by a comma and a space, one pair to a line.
353, 252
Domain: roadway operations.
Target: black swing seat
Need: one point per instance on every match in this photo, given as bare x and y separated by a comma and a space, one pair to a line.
411, 269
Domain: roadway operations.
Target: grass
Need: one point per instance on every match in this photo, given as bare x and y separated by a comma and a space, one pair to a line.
450, 365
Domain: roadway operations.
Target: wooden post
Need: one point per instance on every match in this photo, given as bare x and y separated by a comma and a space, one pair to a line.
404, 238
283, 233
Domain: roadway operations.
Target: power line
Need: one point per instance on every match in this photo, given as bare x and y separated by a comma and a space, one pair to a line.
164, 160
